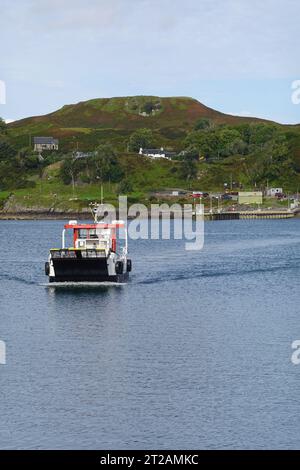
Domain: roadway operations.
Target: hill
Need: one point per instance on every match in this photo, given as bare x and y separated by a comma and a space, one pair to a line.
220, 150
114, 119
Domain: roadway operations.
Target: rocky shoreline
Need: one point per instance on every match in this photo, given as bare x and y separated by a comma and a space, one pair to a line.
32, 215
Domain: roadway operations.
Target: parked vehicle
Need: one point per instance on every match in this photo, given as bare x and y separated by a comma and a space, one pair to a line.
199, 194
280, 196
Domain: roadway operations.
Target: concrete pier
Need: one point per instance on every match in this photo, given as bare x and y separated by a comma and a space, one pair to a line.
261, 214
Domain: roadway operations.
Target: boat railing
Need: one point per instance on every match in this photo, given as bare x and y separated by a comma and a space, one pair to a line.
71, 253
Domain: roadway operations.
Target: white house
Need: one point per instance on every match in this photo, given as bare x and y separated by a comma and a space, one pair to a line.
273, 191
157, 153
77, 155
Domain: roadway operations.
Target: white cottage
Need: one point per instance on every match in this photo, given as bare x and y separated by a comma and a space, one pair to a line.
157, 153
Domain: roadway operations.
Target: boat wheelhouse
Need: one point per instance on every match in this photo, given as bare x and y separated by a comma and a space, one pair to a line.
94, 255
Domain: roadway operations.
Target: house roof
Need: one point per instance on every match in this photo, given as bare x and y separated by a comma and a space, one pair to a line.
45, 140
170, 154
160, 151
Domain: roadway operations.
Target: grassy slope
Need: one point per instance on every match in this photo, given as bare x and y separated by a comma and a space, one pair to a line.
114, 119
145, 175
49, 192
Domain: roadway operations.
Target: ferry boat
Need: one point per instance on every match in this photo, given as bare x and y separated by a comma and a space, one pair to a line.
94, 256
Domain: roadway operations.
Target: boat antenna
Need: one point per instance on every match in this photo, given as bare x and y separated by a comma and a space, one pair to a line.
94, 206
94, 210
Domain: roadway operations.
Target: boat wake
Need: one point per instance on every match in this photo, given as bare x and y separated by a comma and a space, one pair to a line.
66, 285
8, 277
184, 276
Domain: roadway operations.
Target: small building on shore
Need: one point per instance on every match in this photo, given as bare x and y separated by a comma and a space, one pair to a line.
273, 192
250, 197
78, 155
157, 153
45, 143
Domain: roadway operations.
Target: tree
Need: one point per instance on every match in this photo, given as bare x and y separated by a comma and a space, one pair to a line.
230, 142
191, 153
70, 170
6, 150
217, 143
142, 138
3, 126
148, 107
202, 124
105, 164
125, 187
207, 143
189, 166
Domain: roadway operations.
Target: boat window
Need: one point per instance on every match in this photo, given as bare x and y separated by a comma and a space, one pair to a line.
82, 233
93, 233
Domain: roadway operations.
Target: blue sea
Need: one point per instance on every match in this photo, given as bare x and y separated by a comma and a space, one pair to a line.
194, 352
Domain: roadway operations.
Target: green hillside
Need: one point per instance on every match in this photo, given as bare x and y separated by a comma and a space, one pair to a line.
211, 149
114, 119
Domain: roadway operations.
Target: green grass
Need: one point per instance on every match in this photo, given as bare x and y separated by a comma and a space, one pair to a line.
119, 116
4, 195
83, 130
143, 174
59, 196
112, 120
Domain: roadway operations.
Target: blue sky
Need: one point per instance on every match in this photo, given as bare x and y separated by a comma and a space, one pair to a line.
237, 56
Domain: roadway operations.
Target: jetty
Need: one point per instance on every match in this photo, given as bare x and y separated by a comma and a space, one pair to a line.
250, 214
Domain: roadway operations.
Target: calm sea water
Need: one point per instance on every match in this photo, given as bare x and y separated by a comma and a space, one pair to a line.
193, 353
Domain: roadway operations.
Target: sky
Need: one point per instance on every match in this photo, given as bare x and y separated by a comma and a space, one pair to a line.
237, 56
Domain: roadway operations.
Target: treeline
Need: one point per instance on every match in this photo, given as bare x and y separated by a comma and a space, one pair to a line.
19, 168
218, 142
256, 153
262, 148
